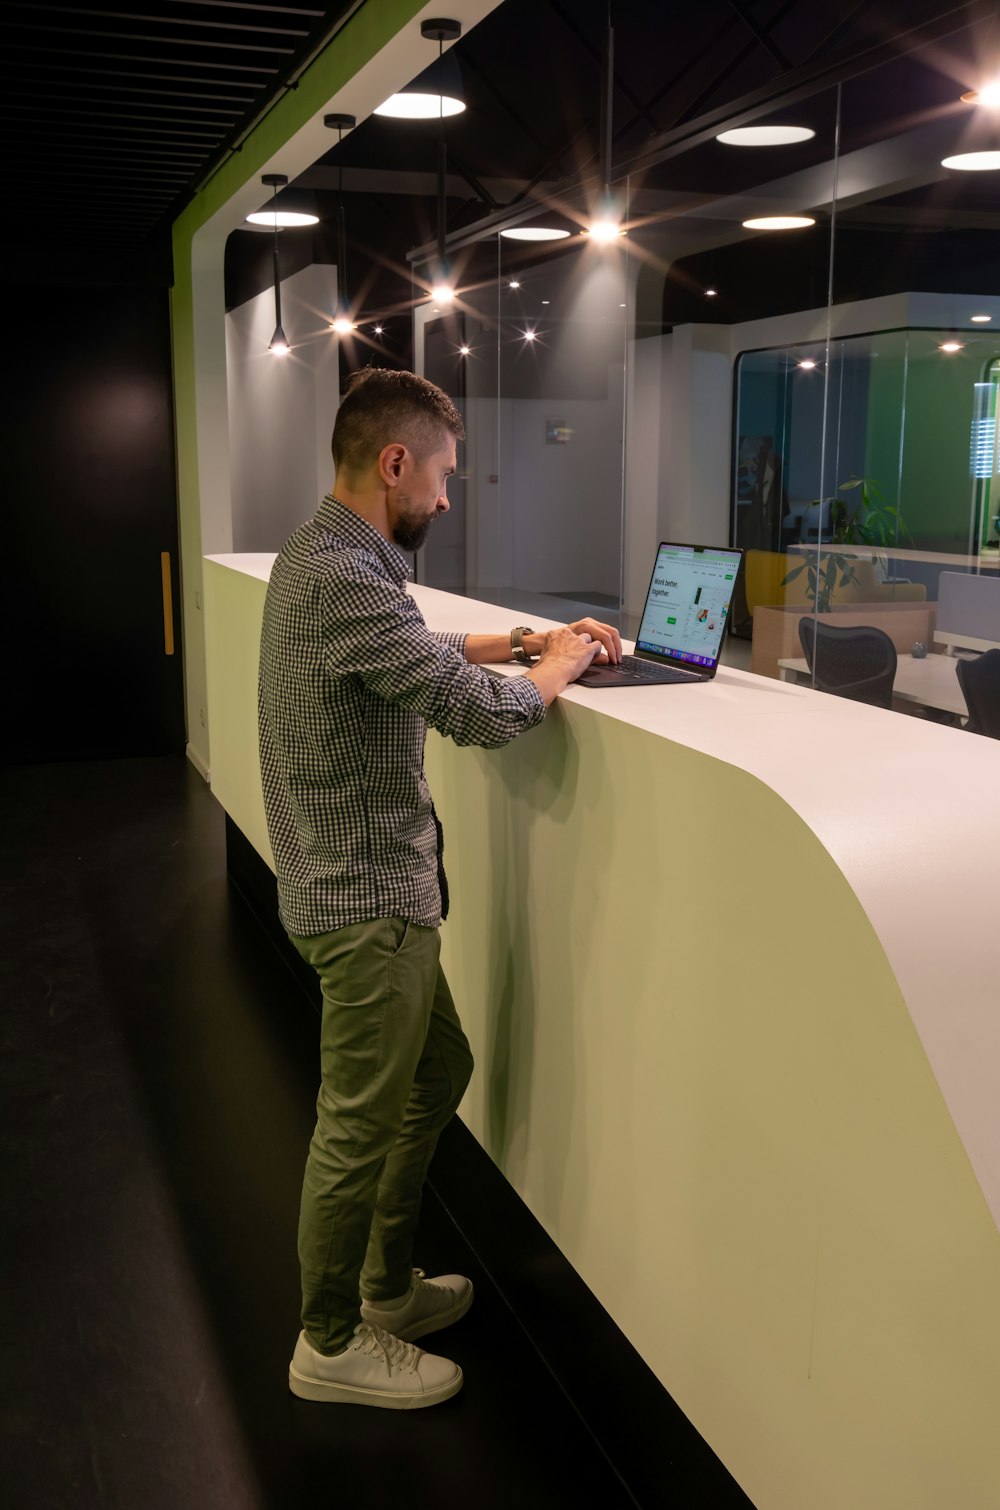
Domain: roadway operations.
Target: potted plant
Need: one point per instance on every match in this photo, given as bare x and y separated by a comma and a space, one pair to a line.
874, 521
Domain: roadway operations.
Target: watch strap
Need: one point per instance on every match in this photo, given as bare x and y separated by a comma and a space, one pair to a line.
517, 650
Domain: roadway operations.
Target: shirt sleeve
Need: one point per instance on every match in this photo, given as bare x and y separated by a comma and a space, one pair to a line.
374, 630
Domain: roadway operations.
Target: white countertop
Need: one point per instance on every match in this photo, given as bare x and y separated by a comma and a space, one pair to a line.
907, 809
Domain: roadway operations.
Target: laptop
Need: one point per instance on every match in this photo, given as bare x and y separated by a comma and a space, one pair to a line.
687, 609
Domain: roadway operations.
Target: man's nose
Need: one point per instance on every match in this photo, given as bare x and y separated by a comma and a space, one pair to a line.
442, 504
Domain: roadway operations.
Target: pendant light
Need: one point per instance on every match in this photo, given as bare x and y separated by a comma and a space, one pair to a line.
279, 344
341, 324
438, 90
605, 225
441, 30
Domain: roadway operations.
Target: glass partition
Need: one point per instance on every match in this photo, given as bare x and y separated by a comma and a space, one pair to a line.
793, 347
862, 574
536, 360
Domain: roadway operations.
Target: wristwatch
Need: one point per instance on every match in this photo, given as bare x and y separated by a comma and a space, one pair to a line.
517, 650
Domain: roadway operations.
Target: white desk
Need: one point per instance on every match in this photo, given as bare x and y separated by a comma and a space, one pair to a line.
727, 958
931, 682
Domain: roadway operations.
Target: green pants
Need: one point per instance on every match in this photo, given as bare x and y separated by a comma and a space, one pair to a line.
395, 1063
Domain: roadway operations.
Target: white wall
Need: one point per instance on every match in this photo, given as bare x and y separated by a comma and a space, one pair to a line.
281, 409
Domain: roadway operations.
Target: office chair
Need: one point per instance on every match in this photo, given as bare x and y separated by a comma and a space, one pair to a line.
858, 663
980, 684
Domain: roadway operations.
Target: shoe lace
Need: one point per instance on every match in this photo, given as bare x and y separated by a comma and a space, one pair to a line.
421, 1282
397, 1353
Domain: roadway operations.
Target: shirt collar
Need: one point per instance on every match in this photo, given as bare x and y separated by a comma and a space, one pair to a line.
338, 519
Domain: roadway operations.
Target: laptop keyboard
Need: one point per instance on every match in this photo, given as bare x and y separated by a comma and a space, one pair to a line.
646, 671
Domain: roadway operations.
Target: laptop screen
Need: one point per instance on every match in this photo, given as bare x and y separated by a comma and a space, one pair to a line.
688, 604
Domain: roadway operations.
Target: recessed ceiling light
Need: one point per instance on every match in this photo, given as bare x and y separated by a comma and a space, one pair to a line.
379, 329
443, 293
412, 106
513, 283
534, 233
464, 350
973, 162
989, 95
529, 335
807, 364
778, 223
950, 346
546, 301
765, 136
711, 293
277, 220
342, 325
980, 319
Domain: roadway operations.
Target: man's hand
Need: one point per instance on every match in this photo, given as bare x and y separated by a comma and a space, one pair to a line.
608, 637
566, 656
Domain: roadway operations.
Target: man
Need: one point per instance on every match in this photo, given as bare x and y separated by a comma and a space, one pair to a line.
350, 676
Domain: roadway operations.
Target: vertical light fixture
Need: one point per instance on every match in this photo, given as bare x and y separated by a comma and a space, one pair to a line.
605, 225
341, 323
441, 30
279, 344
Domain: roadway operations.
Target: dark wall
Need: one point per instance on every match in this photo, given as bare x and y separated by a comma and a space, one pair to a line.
90, 505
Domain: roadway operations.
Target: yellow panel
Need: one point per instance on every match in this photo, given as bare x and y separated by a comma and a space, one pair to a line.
234, 609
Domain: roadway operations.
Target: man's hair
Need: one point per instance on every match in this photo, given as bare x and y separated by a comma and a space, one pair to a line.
381, 406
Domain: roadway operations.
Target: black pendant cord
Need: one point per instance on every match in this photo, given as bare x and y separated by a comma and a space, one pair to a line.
341, 230
441, 29
340, 123
277, 277
442, 176
607, 88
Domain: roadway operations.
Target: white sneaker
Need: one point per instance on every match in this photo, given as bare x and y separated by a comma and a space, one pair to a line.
430, 1305
376, 1369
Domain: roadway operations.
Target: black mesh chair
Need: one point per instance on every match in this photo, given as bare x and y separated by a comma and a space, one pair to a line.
857, 663
980, 684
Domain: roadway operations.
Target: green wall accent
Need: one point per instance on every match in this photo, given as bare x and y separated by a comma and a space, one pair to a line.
934, 405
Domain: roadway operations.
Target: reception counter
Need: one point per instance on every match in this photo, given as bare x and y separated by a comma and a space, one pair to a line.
727, 956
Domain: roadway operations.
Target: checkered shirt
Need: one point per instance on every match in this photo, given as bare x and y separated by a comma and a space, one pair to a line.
350, 677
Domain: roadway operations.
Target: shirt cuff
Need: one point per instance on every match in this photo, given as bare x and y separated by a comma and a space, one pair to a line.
455, 640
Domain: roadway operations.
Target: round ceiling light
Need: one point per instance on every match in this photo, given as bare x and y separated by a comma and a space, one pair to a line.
277, 220
534, 233
807, 364
973, 162
980, 319
765, 136
950, 347
778, 223
412, 106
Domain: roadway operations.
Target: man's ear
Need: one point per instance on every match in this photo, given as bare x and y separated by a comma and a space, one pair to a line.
390, 464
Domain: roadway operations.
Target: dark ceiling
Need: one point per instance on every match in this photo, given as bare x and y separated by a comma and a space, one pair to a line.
119, 113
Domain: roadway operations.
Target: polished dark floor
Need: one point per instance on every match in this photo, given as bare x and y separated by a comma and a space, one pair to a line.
157, 1085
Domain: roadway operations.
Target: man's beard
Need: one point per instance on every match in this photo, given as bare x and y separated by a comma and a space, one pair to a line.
410, 537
